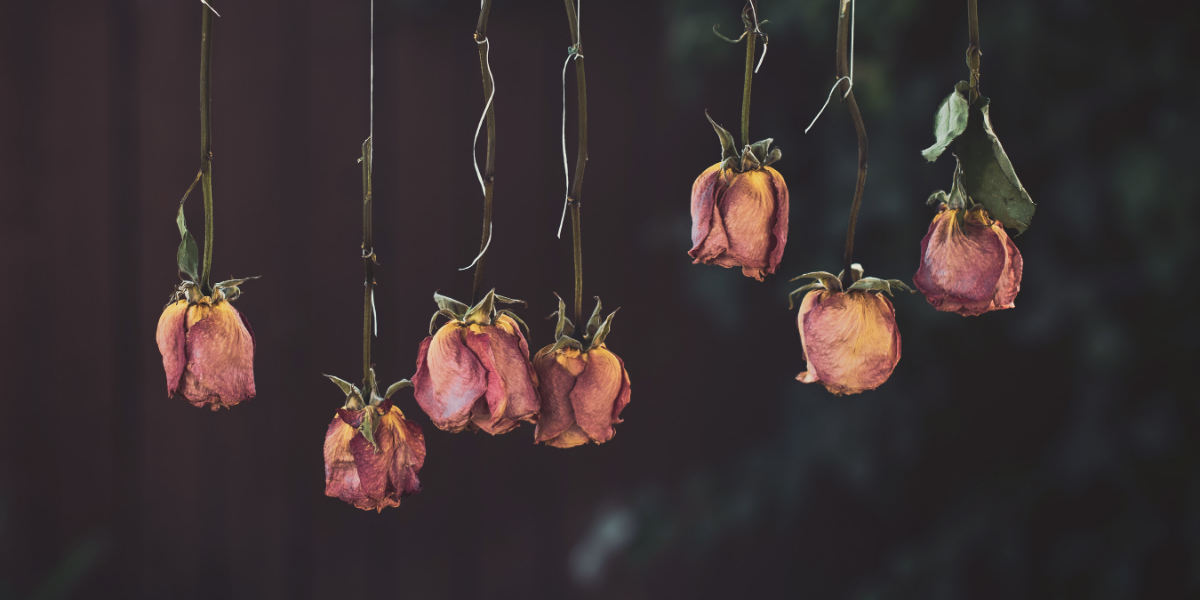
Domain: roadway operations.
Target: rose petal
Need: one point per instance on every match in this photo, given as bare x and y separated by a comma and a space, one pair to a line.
172, 343
705, 193
449, 378
1010, 280
961, 263
779, 226
556, 377
595, 394
220, 350
748, 209
573, 436
341, 476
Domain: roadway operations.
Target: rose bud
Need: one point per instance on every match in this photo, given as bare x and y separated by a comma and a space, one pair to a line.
207, 346
583, 389
475, 371
850, 338
372, 453
740, 210
969, 265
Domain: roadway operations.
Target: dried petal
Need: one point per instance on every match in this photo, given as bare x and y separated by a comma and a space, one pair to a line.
850, 340
449, 378
969, 265
371, 478
512, 389
595, 393
556, 373
582, 395
208, 353
740, 219
172, 343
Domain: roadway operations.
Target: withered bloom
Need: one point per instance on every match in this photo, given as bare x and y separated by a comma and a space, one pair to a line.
207, 346
475, 371
850, 338
583, 389
372, 453
969, 265
740, 210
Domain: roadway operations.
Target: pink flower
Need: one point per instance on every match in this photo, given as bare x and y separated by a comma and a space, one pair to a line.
583, 394
373, 470
968, 263
207, 348
850, 339
739, 219
475, 371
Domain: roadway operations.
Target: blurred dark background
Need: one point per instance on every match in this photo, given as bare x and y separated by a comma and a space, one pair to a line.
1048, 451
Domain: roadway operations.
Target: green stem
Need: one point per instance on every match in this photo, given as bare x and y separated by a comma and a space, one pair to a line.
490, 168
750, 38
973, 51
580, 159
368, 252
843, 71
206, 142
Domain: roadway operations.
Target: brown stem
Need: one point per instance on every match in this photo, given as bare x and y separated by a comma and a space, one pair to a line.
368, 253
489, 169
843, 70
206, 27
973, 51
580, 159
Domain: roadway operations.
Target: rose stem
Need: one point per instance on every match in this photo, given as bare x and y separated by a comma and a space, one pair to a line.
750, 39
206, 141
580, 159
490, 169
368, 253
973, 51
843, 71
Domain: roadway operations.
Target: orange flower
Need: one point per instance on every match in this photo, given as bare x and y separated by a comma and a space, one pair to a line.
207, 347
850, 339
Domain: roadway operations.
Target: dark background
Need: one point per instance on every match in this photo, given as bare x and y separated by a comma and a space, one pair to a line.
1047, 451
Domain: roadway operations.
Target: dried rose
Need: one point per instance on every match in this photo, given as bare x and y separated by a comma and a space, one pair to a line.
372, 453
850, 338
583, 389
475, 371
207, 346
740, 210
969, 265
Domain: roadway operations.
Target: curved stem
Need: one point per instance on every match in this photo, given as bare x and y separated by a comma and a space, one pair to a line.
843, 70
490, 168
973, 51
368, 251
750, 38
580, 160
206, 24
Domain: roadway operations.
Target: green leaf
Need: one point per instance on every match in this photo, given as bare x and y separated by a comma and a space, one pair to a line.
504, 300
188, 254
827, 279
603, 331
816, 285
564, 326
728, 149
988, 175
871, 284
441, 313
512, 315
773, 157
369, 424
446, 303
565, 342
348, 388
395, 387
482, 313
901, 286
949, 123
936, 198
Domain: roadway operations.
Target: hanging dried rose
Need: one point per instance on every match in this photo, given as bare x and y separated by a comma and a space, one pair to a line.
583, 388
207, 346
850, 338
969, 265
740, 209
475, 371
372, 453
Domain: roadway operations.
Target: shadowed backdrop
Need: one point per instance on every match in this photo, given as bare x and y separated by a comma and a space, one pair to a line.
1044, 451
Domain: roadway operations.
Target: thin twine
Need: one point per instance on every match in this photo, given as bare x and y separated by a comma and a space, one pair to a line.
754, 11
205, 2
572, 53
853, 6
487, 61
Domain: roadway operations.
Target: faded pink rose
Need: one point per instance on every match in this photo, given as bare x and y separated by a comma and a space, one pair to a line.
740, 219
208, 351
369, 475
850, 339
583, 394
969, 265
477, 375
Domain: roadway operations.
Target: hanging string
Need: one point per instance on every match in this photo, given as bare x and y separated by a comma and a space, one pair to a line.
205, 2
853, 5
572, 54
474, 157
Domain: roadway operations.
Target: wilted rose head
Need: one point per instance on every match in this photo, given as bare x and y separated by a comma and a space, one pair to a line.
372, 453
583, 388
207, 346
740, 210
850, 338
475, 371
969, 265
